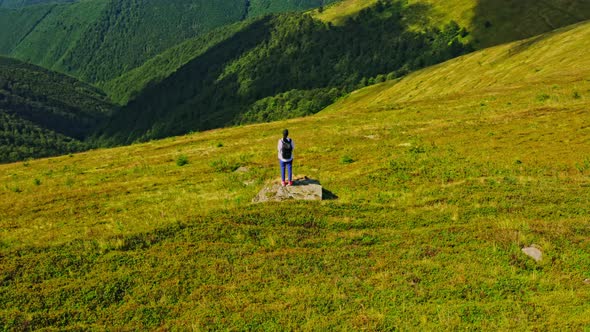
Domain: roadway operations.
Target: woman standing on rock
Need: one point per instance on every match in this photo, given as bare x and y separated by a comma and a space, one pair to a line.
286, 147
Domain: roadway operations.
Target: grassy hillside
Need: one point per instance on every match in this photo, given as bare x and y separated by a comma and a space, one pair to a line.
260, 72
98, 40
437, 193
44, 113
490, 22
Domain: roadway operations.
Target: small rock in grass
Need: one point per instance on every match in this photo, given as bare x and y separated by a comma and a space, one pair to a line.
533, 252
587, 281
242, 169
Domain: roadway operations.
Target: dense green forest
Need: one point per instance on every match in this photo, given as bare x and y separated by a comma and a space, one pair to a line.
16, 24
44, 113
261, 7
24, 3
99, 40
58, 32
289, 56
21, 139
130, 84
293, 103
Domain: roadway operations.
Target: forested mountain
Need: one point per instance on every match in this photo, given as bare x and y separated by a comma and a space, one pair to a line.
44, 113
24, 3
277, 66
98, 40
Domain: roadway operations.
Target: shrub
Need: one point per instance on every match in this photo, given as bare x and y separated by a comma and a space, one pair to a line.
224, 166
182, 160
346, 159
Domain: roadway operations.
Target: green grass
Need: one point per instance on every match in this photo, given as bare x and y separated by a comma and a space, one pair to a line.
338, 12
456, 168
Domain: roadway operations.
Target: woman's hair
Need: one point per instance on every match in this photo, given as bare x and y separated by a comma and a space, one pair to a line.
285, 132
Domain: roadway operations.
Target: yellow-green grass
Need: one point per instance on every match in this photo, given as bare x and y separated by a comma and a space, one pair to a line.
438, 13
490, 22
338, 12
439, 187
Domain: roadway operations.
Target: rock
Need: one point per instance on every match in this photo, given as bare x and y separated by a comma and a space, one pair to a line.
302, 189
533, 252
242, 169
587, 281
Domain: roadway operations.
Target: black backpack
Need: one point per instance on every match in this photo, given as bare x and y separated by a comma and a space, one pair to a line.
287, 150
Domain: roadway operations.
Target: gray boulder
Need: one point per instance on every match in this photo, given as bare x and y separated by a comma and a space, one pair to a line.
533, 252
302, 189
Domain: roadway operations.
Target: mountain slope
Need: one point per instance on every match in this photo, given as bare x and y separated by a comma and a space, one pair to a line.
272, 59
555, 57
490, 22
57, 33
16, 24
44, 113
437, 194
25, 3
129, 85
260, 87
98, 40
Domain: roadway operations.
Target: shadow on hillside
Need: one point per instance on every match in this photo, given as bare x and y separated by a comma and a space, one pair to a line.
500, 21
328, 195
199, 76
418, 14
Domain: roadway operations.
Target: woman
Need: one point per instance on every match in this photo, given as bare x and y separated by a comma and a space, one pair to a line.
286, 147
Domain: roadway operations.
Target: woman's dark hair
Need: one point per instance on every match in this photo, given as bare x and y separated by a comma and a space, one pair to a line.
285, 132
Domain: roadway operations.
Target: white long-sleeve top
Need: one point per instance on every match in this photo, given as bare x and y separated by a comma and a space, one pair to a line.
280, 149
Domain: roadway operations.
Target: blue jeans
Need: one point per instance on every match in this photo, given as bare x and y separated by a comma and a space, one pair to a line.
289, 165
